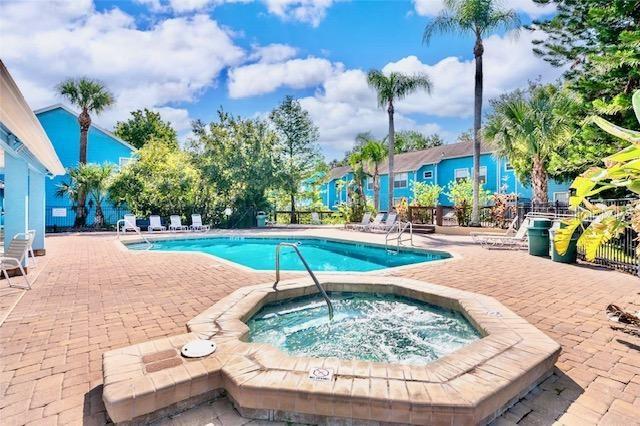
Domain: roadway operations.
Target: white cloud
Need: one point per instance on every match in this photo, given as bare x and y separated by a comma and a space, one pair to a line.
272, 53
433, 7
261, 78
172, 61
308, 11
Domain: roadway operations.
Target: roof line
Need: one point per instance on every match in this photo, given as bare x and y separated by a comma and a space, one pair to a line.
102, 129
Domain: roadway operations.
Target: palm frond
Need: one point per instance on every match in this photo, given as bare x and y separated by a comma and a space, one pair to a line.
441, 24
86, 93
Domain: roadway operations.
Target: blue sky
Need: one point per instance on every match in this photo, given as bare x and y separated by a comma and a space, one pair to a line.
186, 58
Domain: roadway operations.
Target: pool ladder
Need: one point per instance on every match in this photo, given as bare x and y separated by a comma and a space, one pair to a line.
306, 265
402, 229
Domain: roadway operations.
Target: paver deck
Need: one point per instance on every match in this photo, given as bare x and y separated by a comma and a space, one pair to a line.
92, 296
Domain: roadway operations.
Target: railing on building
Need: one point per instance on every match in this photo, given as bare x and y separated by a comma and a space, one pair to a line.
302, 217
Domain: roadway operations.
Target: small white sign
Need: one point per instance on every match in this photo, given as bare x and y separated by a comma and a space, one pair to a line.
321, 374
59, 212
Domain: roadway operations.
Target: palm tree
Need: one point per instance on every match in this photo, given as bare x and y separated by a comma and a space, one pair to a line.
91, 179
373, 153
90, 96
529, 128
390, 88
478, 17
356, 161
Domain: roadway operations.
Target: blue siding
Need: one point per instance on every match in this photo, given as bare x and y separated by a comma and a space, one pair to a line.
498, 179
63, 130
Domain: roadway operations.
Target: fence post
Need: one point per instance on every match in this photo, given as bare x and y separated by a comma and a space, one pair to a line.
439, 215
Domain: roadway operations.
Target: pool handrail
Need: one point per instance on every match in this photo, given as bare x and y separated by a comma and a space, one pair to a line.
306, 265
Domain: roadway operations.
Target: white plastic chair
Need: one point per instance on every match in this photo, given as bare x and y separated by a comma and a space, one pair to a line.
32, 236
518, 241
130, 223
386, 225
155, 224
376, 222
176, 223
366, 220
196, 223
315, 219
14, 256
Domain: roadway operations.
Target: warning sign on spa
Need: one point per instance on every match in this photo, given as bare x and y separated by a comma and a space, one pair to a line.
321, 374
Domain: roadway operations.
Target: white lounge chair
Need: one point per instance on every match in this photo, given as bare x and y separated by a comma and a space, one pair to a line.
175, 223
13, 257
377, 221
519, 240
366, 220
32, 236
129, 223
155, 224
315, 219
196, 224
386, 225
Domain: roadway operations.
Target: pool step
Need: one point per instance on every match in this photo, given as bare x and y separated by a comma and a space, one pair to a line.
419, 228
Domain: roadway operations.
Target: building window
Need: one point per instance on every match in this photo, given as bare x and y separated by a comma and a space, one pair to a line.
400, 180
507, 166
461, 174
482, 178
561, 197
369, 184
123, 161
427, 175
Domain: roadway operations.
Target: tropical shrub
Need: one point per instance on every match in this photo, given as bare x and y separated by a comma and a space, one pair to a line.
621, 170
460, 194
502, 208
426, 194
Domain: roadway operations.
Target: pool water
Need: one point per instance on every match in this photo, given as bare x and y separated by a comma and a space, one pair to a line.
322, 255
365, 326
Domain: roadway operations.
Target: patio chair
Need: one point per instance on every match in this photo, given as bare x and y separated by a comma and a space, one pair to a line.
32, 236
155, 224
315, 219
196, 224
389, 223
175, 223
366, 220
13, 257
517, 241
129, 223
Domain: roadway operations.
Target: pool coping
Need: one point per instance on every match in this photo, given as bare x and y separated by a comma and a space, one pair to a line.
452, 255
471, 385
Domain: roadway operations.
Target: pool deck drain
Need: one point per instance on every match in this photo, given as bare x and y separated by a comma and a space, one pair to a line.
471, 385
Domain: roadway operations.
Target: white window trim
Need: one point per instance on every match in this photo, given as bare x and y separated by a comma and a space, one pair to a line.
406, 180
369, 184
424, 174
465, 169
555, 196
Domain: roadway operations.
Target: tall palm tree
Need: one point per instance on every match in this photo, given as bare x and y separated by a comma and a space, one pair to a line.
91, 96
478, 17
529, 128
390, 88
373, 153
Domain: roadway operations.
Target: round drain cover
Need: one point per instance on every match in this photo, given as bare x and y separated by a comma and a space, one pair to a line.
198, 348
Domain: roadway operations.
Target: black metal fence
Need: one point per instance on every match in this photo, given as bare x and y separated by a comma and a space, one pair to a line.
62, 218
617, 253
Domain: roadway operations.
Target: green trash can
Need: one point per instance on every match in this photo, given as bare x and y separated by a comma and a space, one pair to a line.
539, 237
261, 219
572, 252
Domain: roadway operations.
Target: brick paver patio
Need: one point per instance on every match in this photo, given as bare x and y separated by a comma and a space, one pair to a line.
92, 295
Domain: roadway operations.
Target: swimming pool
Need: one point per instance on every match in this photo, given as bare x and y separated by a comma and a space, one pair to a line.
322, 255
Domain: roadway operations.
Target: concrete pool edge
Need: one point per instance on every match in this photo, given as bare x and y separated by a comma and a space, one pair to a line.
123, 245
469, 386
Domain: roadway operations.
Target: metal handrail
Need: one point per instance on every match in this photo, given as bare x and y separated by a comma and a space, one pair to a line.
135, 228
401, 231
306, 265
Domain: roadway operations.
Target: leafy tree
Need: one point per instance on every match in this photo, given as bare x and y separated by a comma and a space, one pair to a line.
237, 158
297, 147
91, 179
461, 193
143, 126
597, 41
426, 194
478, 17
91, 96
529, 128
621, 171
357, 163
374, 153
465, 137
411, 140
389, 89
163, 181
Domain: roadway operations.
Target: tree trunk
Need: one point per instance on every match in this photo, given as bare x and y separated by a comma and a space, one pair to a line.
392, 148
478, 50
293, 218
81, 212
539, 182
99, 220
376, 189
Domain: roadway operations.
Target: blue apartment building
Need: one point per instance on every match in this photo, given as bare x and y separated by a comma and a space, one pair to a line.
440, 165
